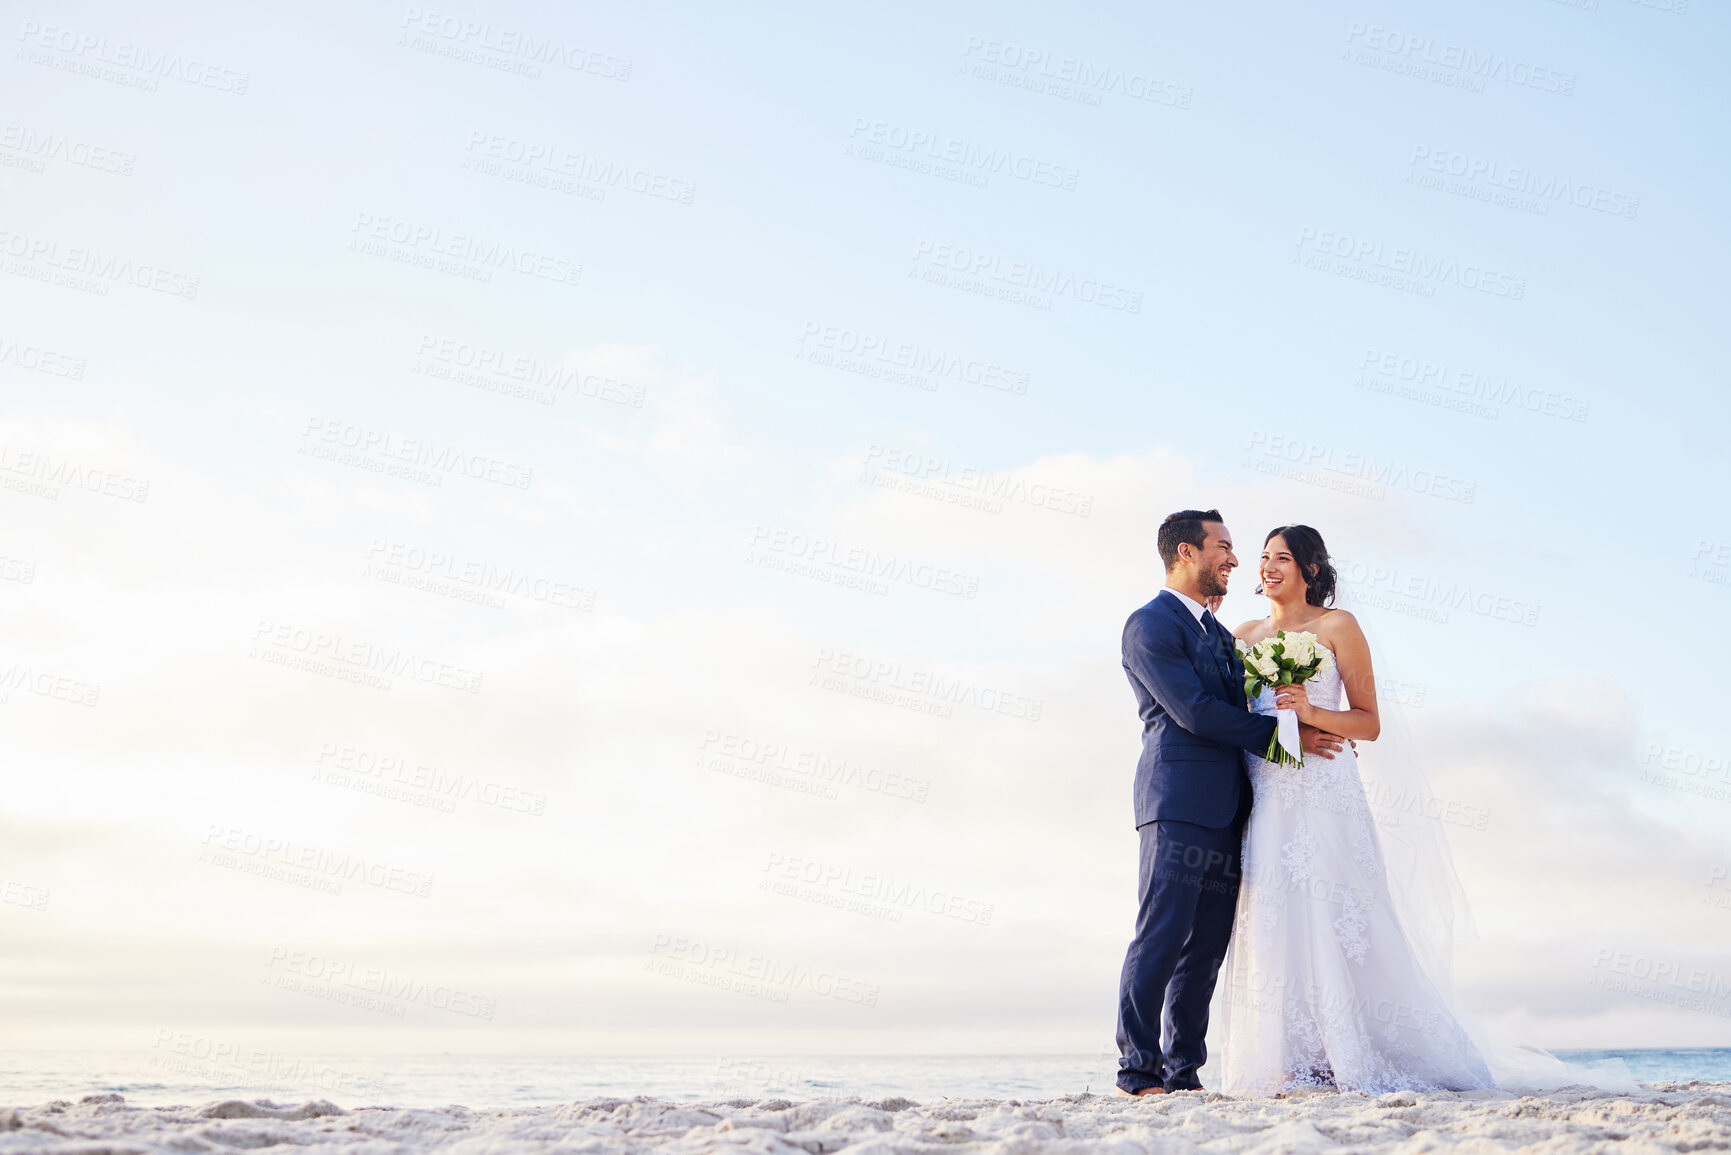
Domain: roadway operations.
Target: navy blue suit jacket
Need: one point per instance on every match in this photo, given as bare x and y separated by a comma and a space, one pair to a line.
1195, 724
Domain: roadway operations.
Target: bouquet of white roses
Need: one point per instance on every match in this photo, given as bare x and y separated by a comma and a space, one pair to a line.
1286, 659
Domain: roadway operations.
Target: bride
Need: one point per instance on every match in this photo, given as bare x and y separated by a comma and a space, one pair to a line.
1322, 985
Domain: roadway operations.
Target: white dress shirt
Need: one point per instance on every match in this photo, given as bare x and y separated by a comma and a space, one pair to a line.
1196, 608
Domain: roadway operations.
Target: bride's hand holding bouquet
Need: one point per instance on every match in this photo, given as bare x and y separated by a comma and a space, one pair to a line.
1284, 663
1297, 699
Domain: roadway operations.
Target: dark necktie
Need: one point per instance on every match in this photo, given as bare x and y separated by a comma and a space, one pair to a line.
1216, 642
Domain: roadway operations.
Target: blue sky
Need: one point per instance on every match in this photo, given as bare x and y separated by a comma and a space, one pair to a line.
686, 218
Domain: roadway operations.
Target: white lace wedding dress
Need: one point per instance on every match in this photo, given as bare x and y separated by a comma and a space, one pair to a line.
1320, 986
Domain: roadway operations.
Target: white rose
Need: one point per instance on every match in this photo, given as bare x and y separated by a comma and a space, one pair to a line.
1301, 648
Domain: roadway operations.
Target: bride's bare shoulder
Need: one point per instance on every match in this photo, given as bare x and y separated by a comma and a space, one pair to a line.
1246, 631
1339, 626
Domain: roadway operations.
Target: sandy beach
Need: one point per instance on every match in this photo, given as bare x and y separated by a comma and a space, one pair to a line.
1689, 1116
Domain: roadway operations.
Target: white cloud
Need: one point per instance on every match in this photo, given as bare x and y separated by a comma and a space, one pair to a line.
616, 720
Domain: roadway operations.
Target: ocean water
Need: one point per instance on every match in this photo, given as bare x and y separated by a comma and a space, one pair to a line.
507, 1081
1679, 1063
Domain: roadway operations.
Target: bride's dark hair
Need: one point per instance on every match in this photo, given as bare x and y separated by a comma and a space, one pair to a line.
1307, 549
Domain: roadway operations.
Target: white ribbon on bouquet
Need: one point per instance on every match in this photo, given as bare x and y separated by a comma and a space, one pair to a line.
1286, 728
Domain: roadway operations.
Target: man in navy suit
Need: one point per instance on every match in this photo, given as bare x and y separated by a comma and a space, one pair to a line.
1192, 798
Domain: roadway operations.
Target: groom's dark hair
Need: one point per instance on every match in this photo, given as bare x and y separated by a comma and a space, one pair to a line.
1183, 526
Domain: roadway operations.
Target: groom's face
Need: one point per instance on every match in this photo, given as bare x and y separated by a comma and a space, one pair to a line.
1216, 561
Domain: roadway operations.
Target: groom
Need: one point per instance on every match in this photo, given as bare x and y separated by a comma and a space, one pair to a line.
1192, 799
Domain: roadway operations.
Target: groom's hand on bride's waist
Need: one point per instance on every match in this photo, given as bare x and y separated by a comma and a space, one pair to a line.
1319, 742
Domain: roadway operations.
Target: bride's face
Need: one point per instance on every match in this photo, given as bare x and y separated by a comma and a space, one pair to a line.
1281, 581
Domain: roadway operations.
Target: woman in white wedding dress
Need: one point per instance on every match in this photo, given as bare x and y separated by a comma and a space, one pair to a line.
1322, 986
